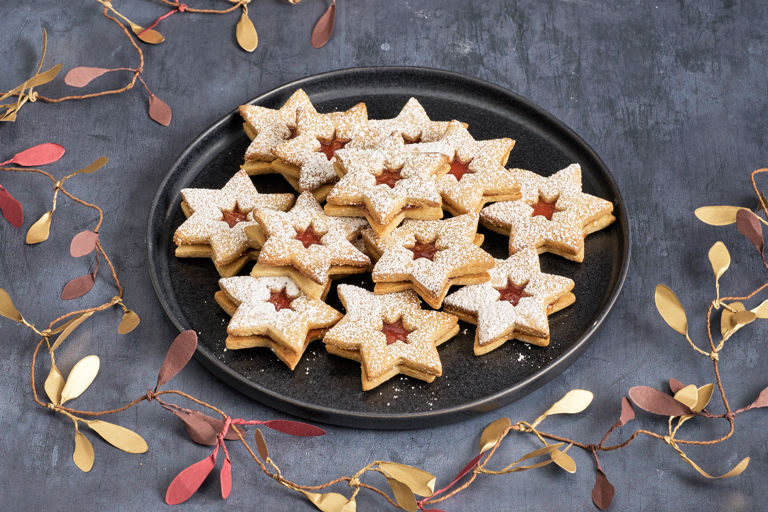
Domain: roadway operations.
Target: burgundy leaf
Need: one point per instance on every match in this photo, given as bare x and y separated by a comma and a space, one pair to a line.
11, 208
179, 353
225, 476
78, 286
189, 480
218, 426
654, 401
675, 385
83, 243
199, 430
294, 428
42, 154
159, 111
761, 401
602, 492
469, 467
749, 225
627, 412
323, 30
82, 75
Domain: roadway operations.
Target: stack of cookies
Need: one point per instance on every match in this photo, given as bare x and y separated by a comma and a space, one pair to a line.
372, 198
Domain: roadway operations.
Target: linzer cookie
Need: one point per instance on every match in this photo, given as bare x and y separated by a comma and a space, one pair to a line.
477, 175
306, 161
429, 256
268, 128
390, 335
386, 187
514, 304
216, 220
307, 245
273, 312
553, 214
412, 124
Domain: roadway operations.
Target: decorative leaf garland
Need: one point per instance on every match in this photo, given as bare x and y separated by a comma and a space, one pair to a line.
158, 110
411, 488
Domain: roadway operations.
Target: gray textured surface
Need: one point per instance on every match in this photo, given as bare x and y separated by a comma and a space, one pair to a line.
671, 96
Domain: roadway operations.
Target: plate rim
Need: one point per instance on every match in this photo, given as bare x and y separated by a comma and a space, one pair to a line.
397, 420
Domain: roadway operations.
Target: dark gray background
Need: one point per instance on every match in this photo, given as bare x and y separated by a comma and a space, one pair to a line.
672, 96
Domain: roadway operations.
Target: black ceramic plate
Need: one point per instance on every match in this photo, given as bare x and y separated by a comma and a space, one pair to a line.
326, 388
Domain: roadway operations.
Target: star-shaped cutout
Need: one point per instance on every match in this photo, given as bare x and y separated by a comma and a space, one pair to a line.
273, 308
477, 174
217, 220
553, 214
386, 187
307, 160
268, 128
412, 125
389, 334
308, 240
429, 256
513, 304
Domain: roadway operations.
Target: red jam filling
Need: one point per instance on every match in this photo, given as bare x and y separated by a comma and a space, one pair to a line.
294, 133
459, 168
543, 208
512, 293
330, 147
389, 177
232, 217
280, 299
424, 250
308, 237
395, 331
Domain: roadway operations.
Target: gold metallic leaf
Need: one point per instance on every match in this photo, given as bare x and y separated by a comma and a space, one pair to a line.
717, 215
563, 460
574, 401
93, 166
732, 321
704, 395
418, 481
403, 495
246, 34
670, 309
493, 433
149, 36
719, 258
761, 311
330, 501
54, 383
544, 450
7, 309
736, 471
261, 445
81, 376
517, 469
120, 437
71, 326
40, 230
83, 454
688, 395
129, 322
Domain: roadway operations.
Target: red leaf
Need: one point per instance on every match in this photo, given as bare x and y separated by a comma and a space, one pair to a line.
179, 353
42, 154
226, 478
294, 428
159, 111
469, 467
189, 480
199, 430
761, 401
675, 385
656, 402
323, 30
11, 208
83, 243
627, 412
78, 286
749, 225
602, 492
82, 75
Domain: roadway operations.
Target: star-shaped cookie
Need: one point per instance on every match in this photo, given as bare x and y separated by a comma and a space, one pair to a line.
306, 161
386, 187
412, 124
513, 304
308, 245
268, 128
429, 256
553, 214
477, 175
389, 334
273, 312
217, 220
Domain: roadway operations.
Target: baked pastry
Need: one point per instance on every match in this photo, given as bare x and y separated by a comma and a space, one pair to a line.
513, 304
216, 220
389, 334
553, 214
412, 124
